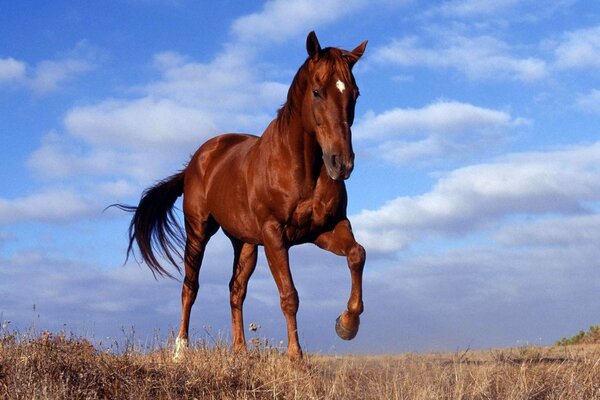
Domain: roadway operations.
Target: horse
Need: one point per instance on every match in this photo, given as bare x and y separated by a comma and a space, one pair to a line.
278, 190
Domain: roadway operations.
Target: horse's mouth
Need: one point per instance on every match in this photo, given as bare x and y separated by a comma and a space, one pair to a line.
337, 168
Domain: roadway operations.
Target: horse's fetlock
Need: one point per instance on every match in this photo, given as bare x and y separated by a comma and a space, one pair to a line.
356, 308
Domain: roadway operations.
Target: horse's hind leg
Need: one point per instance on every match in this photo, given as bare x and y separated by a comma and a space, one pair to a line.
244, 262
341, 241
198, 233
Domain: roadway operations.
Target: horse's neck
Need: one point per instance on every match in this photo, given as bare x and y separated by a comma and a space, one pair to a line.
294, 147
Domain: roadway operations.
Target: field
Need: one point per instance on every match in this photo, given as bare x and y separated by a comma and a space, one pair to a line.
56, 366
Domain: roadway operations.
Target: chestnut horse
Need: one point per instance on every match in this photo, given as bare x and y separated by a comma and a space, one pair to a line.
278, 190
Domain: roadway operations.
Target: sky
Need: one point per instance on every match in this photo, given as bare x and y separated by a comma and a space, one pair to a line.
476, 189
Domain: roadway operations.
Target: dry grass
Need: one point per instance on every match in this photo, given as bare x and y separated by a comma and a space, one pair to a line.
58, 367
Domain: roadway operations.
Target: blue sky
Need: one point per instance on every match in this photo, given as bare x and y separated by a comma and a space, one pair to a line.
476, 190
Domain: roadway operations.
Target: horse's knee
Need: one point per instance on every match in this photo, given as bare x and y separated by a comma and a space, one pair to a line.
356, 257
290, 302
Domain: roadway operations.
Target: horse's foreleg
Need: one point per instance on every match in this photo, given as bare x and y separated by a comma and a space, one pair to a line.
341, 241
243, 266
278, 259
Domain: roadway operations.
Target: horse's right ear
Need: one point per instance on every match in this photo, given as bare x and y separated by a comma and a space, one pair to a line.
312, 45
354, 55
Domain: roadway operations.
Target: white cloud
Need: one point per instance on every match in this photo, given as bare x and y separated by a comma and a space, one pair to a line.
281, 19
61, 156
403, 152
146, 137
476, 196
514, 10
58, 158
572, 231
441, 118
188, 103
52, 205
445, 128
140, 124
462, 8
579, 49
229, 87
482, 57
11, 71
118, 189
49, 75
589, 102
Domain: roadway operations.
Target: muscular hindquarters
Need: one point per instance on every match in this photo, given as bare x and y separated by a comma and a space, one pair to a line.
216, 185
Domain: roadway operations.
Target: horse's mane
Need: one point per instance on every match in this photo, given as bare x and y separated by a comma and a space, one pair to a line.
331, 61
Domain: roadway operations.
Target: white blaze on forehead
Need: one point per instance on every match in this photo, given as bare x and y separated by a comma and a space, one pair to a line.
340, 85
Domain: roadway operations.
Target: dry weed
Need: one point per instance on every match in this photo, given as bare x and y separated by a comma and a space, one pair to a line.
56, 367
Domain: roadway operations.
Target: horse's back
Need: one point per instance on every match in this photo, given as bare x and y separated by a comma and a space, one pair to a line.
226, 149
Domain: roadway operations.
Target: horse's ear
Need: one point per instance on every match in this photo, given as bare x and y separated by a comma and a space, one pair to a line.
357, 53
312, 45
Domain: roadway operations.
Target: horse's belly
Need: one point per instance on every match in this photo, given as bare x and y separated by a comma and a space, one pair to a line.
235, 218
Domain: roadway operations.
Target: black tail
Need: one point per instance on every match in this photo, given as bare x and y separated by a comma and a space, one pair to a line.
155, 227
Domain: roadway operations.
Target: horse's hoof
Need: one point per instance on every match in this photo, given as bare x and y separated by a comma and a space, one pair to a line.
181, 346
295, 356
345, 332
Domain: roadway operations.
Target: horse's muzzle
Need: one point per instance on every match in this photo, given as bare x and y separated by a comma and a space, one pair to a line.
337, 167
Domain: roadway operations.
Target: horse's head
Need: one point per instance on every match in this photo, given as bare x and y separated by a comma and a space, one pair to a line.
329, 101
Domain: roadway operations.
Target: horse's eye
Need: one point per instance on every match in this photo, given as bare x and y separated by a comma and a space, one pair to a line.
316, 93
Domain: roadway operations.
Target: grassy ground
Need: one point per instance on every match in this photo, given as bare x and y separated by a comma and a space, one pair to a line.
51, 366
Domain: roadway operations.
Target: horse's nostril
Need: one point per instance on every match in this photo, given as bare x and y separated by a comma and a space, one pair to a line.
338, 166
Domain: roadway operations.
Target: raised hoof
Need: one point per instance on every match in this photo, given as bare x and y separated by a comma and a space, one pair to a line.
343, 332
181, 345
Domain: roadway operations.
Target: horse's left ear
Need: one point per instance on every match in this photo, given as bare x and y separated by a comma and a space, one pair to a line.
313, 47
357, 53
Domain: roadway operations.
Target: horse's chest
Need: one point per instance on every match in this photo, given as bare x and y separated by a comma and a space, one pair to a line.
312, 216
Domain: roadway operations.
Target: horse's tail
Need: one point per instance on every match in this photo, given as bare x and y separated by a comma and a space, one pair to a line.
154, 227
